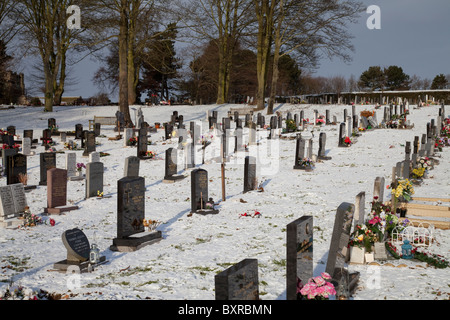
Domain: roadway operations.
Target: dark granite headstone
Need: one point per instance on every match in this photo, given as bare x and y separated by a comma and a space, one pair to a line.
171, 166
78, 131
131, 233
89, 145
299, 255
322, 143
47, 161
199, 192
250, 181
17, 164
239, 282
77, 245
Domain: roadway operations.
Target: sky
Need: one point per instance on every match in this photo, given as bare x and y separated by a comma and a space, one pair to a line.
413, 34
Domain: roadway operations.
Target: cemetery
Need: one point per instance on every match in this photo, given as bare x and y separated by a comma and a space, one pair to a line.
352, 201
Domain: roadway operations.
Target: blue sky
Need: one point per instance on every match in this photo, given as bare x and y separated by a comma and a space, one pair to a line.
414, 35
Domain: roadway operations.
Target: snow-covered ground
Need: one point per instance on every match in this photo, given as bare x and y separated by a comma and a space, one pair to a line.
194, 249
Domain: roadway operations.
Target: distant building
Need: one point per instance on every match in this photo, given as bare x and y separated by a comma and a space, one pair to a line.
13, 89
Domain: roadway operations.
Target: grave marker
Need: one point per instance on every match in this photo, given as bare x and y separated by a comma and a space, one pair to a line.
250, 180
239, 282
171, 166
57, 192
94, 178
299, 255
47, 161
17, 165
131, 235
131, 168
200, 203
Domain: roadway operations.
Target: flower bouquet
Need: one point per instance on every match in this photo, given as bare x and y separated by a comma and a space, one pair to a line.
318, 288
151, 225
424, 162
347, 141
290, 125
305, 162
80, 166
132, 141
418, 173
404, 189
320, 121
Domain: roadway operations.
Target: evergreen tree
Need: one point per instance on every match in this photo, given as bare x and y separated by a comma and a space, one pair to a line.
439, 82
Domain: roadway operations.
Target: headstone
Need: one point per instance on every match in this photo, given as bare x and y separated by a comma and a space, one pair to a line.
378, 188
131, 235
359, 214
47, 161
71, 164
322, 142
26, 147
238, 282
341, 135
19, 198
338, 252
57, 192
89, 145
199, 193
5, 154
7, 209
94, 156
300, 154
97, 129
299, 255
94, 178
17, 165
131, 168
78, 248
128, 135
142, 144
78, 131
250, 180
238, 140
171, 166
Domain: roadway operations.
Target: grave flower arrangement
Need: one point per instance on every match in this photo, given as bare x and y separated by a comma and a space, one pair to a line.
404, 189
31, 220
363, 237
424, 162
306, 162
347, 141
318, 288
150, 154
14, 146
290, 125
80, 166
151, 225
320, 120
132, 141
418, 173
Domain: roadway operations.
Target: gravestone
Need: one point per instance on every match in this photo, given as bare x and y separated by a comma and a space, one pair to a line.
27, 133
57, 192
142, 144
26, 147
94, 156
131, 235
322, 142
128, 135
300, 154
250, 180
359, 215
97, 129
78, 248
238, 282
71, 164
338, 252
89, 145
342, 135
5, 154
16, 166
171, 166
199, 193
78, 131
94, 178
19, 198
47, 161
8, 212
299, 255
238, 140
131, 168
378, 188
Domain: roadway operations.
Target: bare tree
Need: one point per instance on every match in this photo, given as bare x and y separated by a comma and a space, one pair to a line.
223, 22
309, 27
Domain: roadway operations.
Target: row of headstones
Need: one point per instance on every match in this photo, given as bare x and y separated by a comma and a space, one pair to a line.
241, 281
300, 153
423, 148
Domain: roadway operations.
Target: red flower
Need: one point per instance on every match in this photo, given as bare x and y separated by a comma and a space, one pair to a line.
52, 222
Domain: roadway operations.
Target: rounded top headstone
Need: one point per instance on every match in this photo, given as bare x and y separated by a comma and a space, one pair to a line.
77, 244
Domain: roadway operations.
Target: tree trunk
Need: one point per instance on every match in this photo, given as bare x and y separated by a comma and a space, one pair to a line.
123, 64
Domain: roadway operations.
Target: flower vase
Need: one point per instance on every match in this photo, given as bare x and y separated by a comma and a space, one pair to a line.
357, 255
368, 257
79, 174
